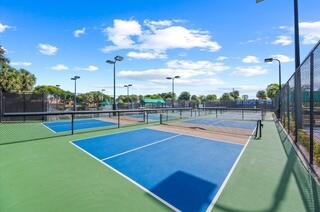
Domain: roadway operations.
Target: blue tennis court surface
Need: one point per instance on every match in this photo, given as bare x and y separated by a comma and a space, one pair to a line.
248, 125
63, 126
182, 171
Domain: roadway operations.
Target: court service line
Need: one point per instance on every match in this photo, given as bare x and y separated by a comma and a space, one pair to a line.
218, 194
141, 147
127, 178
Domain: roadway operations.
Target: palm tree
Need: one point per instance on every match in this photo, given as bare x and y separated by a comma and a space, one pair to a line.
3, 59
9, 79
27, 80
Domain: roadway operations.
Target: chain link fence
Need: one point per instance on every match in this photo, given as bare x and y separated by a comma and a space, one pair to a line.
300, 108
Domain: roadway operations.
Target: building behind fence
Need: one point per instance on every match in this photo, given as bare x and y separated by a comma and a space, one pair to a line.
300, 108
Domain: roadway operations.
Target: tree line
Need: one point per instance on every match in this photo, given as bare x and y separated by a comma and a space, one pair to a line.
21, 80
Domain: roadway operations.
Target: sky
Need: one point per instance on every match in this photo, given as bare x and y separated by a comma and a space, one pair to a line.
213, 45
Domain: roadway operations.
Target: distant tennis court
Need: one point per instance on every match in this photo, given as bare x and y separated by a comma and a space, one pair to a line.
64, 126
248, 125
184, 172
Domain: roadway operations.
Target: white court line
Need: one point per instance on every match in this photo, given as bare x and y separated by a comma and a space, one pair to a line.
216, 197
141, 147
49, 128
128, 178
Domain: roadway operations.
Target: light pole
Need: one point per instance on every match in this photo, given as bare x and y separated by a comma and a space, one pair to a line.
296, 32
75, 78
128, 87
270, 60
172, 79
116, 58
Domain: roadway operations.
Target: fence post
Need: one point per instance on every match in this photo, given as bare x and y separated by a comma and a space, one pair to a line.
297, 106
311, 107
288, 107
43, 106
180, 114
24, 105
1, 105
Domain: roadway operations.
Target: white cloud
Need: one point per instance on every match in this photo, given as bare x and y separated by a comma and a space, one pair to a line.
21, 63
186, 83
154, 40
222, 58
60, 67
310, 31
121, 34
174, 37
47, 49
146, 55
283, 40
250, 59
250, 71
154, 25
184, 68
3, 27
283, 58
203, 65
90, 68
79, 32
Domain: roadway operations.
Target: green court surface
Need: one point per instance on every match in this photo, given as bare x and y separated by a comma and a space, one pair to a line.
40, 171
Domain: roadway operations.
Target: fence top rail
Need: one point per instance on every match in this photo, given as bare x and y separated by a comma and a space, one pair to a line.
228, 108
88, 112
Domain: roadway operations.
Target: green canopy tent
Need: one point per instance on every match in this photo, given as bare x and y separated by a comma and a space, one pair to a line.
148, 102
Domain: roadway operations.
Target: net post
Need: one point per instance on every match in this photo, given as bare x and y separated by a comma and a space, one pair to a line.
118, 113
160, 118
180, 111
72, 123
260, 128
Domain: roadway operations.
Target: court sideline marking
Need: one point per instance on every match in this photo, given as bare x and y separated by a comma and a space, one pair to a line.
141, 147
213, 202
127, 178
218, 194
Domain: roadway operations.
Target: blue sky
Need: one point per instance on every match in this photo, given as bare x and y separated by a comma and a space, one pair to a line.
213, 45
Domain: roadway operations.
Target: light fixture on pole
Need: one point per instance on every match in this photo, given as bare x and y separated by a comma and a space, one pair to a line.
113, 62
128, 87
75, 78
270, 60
172, 80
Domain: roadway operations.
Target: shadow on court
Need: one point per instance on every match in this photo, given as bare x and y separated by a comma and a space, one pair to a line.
186, 192
308, 187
